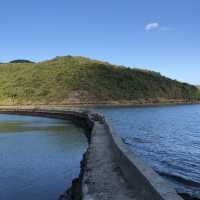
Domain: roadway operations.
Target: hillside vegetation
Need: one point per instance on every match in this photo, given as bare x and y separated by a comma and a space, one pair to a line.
70, 80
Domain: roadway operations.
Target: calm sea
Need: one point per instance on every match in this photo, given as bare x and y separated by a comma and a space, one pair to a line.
39, 157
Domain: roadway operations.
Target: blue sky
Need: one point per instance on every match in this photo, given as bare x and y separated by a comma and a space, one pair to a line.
158, 35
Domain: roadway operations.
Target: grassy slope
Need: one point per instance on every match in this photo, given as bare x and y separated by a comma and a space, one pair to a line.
77, 79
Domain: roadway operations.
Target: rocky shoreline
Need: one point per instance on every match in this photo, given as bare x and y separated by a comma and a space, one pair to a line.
66, 104
75, 191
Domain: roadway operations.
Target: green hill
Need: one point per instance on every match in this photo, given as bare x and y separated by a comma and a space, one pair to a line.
71, 80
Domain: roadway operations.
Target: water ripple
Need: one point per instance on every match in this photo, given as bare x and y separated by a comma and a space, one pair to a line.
167, 138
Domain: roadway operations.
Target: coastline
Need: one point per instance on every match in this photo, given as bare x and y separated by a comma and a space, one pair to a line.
102, 104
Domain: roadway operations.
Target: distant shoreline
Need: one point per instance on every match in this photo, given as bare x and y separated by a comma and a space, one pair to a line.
104, 104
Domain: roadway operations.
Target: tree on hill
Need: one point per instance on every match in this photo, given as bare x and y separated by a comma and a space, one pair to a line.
21, 61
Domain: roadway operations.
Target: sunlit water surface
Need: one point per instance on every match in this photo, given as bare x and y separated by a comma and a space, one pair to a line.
39, 157
166, 137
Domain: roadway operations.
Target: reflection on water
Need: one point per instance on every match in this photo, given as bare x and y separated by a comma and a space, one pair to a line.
39, 157
166, 137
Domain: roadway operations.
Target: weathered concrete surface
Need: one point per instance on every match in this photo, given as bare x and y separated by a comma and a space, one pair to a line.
103, 177
109, 169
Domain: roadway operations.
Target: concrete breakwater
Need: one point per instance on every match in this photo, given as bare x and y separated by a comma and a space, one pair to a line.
109, 170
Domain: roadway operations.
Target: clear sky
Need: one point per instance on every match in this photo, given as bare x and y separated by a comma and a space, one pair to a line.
161, 35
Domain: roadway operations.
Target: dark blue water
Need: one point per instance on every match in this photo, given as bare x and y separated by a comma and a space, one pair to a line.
39, 157
166, 137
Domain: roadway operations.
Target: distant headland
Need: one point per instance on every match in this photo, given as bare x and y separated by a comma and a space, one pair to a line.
77, 80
